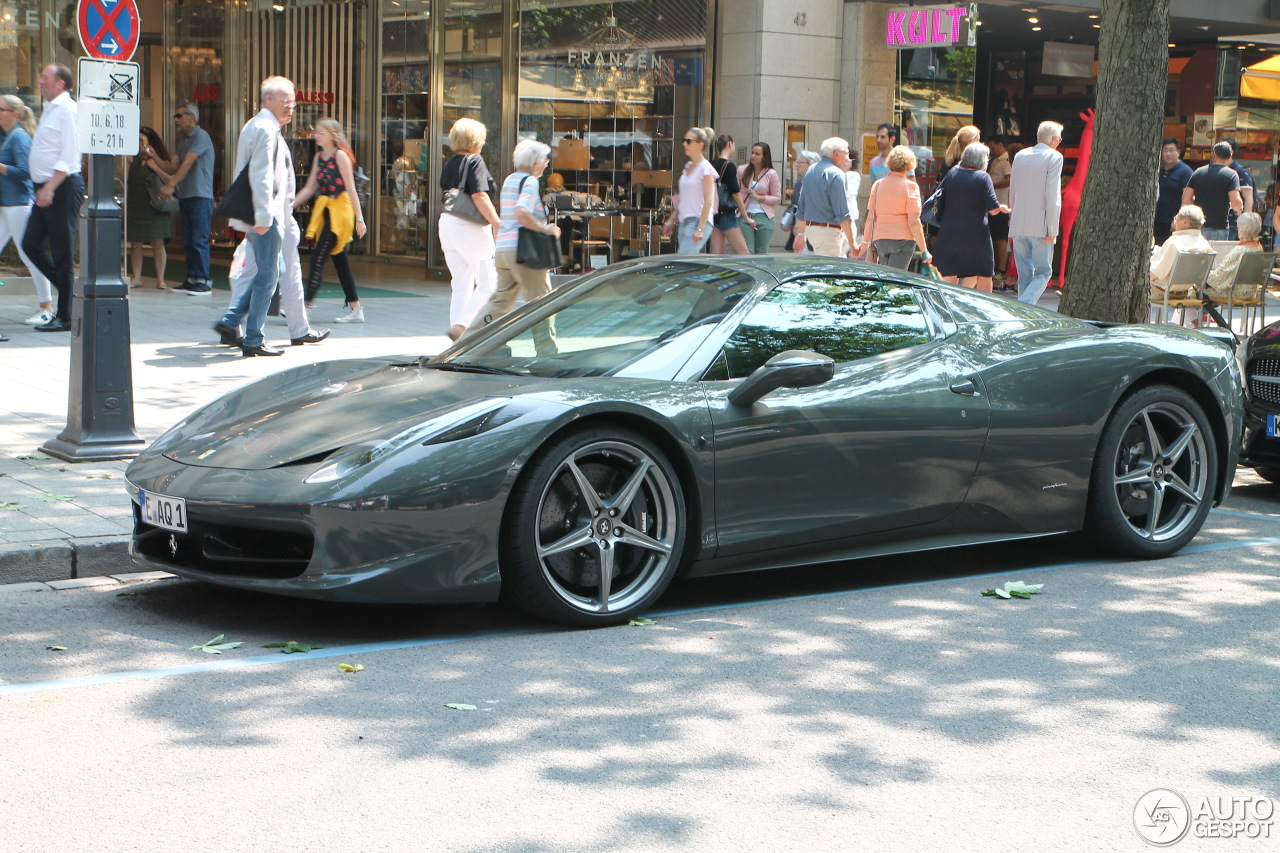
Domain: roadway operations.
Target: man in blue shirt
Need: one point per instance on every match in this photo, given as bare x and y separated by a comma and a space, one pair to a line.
191, 174
822, 212
1174, 176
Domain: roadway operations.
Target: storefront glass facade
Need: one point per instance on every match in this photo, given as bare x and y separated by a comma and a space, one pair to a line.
608, 85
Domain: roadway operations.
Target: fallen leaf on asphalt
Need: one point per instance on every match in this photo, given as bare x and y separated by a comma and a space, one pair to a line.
458, 706
350, 667
55, 648
10, 505
291, 647
32, 456
216, 646
1015, 589
55, 498
643, 620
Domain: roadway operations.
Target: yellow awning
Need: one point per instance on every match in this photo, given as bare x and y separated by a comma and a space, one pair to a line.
1262, 80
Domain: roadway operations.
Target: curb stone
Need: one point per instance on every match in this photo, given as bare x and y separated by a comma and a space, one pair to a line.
59, 559
83, 583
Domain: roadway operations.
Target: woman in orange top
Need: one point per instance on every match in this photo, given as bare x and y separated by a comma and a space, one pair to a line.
893, 213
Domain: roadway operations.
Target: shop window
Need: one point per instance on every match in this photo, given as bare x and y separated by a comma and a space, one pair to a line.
610, 86
406, 109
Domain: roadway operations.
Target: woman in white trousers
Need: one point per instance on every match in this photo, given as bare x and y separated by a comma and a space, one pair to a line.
468, 246
18, 124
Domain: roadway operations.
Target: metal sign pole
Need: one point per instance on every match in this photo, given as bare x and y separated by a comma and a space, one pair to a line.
100, 403
100, 399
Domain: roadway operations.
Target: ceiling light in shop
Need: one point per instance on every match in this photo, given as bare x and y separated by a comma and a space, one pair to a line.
1097, 26
1034, 20
1035, 29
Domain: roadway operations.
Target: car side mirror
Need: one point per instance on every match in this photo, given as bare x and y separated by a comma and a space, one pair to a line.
791, 369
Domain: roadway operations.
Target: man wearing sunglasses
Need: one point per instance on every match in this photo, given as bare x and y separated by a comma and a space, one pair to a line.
190, 173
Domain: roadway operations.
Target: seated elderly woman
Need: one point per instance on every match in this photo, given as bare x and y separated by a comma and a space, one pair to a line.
1186, 237
1249, 226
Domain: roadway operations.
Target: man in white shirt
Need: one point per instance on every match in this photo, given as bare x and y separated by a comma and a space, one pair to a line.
1187, 236
54, 165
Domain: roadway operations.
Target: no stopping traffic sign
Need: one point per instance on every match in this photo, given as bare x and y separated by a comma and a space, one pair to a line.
109, 29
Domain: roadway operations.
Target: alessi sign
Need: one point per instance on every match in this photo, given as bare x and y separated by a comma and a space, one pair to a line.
931, 26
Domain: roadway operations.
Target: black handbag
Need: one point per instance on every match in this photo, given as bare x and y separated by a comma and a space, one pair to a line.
931, 208
160, 205
536, 250
238, 201
460, 204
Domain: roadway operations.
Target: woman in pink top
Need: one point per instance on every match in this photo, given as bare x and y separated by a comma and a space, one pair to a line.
893, 213
761, 190
694, 205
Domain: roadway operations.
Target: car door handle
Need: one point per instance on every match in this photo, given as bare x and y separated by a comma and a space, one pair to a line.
967, 387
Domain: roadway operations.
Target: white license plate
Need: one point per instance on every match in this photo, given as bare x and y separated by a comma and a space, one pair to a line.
164, 511
1271, 426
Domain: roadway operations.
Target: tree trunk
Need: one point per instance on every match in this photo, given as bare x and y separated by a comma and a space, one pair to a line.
1111, 243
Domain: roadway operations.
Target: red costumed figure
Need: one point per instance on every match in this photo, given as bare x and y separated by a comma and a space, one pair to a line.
1073, 191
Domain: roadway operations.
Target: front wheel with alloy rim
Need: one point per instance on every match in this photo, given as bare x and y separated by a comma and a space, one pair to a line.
1154, 475
595, 529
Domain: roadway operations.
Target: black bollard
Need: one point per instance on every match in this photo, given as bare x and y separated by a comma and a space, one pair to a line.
100, 422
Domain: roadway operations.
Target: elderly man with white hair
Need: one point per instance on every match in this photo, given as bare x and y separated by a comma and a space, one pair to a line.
1186, 237
1035, 196
520, 206
823, 217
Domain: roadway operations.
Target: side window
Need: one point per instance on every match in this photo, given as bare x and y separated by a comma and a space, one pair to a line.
847, 319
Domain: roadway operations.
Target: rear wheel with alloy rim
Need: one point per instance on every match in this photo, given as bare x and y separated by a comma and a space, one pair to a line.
595, 530
1154, 474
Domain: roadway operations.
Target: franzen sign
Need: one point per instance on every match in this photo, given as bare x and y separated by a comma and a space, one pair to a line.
641, 60
931, 26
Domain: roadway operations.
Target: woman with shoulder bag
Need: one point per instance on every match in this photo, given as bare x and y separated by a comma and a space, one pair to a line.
146, 223
763, 190
16, 194
731, 214
468, 224
336, 214
522, 209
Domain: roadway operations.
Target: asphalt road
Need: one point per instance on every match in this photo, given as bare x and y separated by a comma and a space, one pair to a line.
882, 705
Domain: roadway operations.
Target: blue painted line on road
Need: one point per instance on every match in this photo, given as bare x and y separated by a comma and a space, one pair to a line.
397, 645
1253, 516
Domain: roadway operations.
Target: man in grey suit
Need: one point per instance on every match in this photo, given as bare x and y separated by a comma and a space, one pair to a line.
1035, 196
271, 177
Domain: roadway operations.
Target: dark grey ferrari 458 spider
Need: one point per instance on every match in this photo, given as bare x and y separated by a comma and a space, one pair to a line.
690, 415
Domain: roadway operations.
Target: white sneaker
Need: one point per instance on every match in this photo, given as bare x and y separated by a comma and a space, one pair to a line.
353, 315
39, 318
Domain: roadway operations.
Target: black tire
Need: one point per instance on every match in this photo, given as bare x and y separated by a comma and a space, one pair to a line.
1271, 475
630, 518
1154, 475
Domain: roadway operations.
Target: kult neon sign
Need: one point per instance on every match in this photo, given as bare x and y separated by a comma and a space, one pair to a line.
933, 26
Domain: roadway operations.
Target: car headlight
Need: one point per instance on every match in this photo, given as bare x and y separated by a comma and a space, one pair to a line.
455, 421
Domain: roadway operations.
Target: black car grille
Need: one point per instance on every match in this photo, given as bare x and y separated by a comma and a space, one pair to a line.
225, 549
1264, 380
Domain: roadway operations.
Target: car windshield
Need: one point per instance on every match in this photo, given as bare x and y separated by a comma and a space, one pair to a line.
635, 321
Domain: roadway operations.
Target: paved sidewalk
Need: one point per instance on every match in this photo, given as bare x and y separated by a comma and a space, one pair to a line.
62, 520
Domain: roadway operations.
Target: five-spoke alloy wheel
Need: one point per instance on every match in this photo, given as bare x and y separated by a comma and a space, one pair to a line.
596, 529
1154, 475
